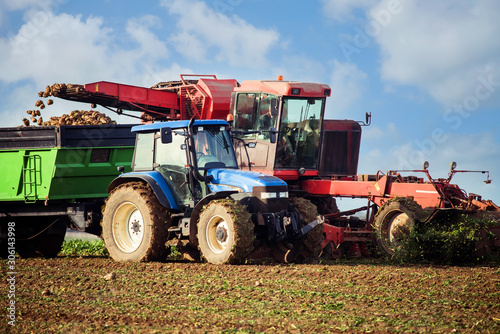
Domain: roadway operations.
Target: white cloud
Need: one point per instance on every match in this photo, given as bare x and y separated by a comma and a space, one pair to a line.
342, 10
151, 47
204, 34
374, 132
348, 82
441, 47
61, 47
51, 48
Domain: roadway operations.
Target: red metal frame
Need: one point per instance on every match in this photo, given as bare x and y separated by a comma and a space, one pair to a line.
134, 94
377, 191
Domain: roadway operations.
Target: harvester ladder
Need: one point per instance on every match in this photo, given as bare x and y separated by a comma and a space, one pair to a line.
31, 177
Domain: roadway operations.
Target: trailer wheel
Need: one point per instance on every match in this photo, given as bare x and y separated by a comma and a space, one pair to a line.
43, 238
395, 219
308, 212
52, 240
135, 224
225, 232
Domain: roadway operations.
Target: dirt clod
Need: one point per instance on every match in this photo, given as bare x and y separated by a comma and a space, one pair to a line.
109, 277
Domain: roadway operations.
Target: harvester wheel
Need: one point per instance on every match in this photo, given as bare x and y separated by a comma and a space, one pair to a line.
225, 232
395, 219
308, 212
135, 224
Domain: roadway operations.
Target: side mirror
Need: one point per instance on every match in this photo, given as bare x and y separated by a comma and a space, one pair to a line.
368, 120
166, 135
272, 135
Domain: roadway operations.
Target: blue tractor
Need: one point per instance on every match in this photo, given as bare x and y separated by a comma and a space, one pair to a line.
185, 189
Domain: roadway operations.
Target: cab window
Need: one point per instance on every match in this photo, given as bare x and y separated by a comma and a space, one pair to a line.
254, 113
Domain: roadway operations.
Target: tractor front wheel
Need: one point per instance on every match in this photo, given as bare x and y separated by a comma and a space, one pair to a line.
393, 222
225, 232
135, 224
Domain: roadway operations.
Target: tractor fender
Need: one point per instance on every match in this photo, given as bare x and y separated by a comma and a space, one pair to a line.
155, 181
193, 222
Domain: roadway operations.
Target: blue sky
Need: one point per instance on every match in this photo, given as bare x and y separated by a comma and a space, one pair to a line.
429, 72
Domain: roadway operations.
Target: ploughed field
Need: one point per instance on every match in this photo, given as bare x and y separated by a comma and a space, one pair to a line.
85, 295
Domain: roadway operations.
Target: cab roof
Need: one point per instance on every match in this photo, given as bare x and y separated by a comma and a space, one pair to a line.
284, 88
176, 125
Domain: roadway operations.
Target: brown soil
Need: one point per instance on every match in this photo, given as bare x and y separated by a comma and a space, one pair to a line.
80, 295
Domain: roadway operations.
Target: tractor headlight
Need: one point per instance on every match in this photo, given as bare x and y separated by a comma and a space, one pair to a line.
269, 195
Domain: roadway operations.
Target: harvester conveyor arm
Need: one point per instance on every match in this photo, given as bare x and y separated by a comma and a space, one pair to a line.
120, 96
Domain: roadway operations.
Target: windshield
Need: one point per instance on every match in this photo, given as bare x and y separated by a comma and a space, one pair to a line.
213, 145
254, 116
300, 128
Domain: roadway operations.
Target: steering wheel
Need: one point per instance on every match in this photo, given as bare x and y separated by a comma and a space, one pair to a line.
199, 155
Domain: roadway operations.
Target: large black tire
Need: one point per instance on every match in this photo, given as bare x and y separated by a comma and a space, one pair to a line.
308, 212
53, 238
225, 232
395, 220
41, 238
135, 224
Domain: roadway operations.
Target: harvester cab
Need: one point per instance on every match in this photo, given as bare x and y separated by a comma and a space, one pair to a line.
284, 119
186, 185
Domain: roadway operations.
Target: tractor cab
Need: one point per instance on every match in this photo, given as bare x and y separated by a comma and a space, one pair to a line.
183, 154
284, 119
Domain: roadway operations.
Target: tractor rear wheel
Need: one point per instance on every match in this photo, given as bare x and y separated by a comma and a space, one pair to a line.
225, 232
308, 212
135, 224
395, 220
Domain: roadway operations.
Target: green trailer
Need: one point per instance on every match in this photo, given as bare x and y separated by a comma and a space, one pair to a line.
56, 177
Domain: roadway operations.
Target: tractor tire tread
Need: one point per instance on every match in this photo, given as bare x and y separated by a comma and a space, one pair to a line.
156, 214
243, 229
308, 212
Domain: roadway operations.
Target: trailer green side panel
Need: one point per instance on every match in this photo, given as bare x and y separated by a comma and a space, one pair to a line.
87, 173
62, 163
26, 174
